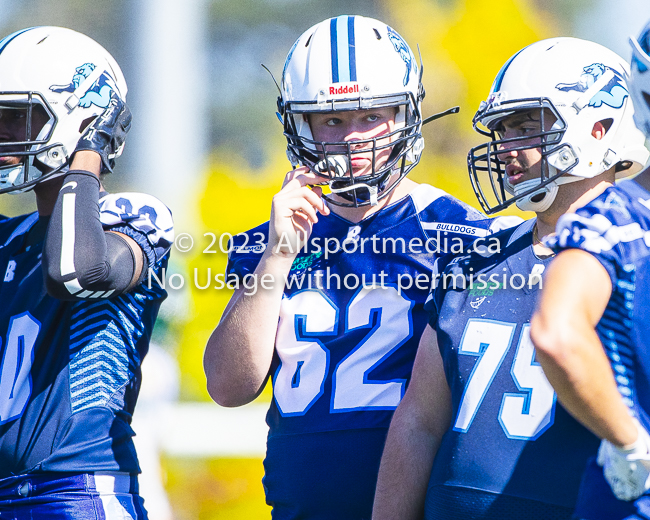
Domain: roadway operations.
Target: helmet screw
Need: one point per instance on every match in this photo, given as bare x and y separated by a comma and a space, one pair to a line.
366, 88
565, 157
321, 92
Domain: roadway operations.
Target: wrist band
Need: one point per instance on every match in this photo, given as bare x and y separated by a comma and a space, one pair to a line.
83, 172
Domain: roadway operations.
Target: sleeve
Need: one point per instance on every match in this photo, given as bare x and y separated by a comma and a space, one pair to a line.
500, 223
79, 260
600, 234
142, 217
245, 251
434, 300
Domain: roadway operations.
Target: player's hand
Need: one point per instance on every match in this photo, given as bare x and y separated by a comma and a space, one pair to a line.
294, 212
107, 133
627, 470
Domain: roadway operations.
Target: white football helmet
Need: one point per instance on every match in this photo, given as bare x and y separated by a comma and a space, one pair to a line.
352, 63
580, 83
640, 79
59, 77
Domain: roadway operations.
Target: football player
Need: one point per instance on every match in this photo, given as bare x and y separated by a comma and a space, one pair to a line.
339, 337
76, 313
479, 434
591, 329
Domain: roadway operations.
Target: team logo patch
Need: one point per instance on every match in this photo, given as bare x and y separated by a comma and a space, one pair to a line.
400, 47
477, 289
9, 273
477, 302
257, 248
302, 263
613, 94
99, 94
455, 228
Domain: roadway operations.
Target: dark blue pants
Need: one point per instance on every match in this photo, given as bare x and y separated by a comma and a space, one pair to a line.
65, 496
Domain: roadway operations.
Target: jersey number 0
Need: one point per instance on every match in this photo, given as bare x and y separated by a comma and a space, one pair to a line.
17, 359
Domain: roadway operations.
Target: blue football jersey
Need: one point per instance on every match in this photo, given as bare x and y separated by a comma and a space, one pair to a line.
615, 228
349, 327
508, 435
70, 370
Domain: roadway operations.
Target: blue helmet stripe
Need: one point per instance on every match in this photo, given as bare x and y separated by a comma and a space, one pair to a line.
342, 43
502, 72
335, 58
639, 64
342, 48
5, 41
352, 49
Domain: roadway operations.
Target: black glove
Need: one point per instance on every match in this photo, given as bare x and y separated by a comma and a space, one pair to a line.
107, 133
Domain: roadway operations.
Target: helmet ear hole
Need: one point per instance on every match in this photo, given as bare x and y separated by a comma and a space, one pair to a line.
623, 165
601, 128
607, 123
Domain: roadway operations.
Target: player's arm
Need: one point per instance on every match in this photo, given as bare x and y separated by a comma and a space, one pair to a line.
239, 353
80, 259
576, 291
415, 433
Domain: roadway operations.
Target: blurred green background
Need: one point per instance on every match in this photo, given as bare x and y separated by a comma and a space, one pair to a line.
206, 141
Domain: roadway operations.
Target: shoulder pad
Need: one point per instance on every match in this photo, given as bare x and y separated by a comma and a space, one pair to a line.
141, 213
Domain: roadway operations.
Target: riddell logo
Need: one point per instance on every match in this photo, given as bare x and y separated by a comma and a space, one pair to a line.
351, 88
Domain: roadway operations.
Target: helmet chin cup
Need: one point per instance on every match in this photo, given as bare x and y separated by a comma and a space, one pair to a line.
372, 191
544, 195
10, 175
548, 191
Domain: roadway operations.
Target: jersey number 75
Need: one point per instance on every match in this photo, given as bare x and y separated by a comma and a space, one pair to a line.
524, 415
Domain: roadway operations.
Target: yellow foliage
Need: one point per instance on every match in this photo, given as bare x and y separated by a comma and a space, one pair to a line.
484, 35
216, 489
464, 44
236, 198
